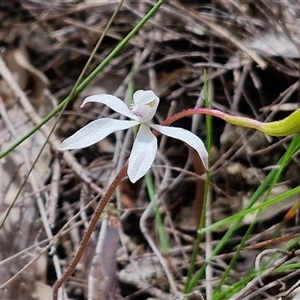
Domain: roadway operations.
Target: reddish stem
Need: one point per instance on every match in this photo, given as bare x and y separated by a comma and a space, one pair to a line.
236, 120
88, 232
187, 113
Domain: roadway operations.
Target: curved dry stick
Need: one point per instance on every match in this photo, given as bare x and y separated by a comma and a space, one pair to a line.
88, 232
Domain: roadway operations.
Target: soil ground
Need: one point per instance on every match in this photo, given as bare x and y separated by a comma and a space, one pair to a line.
250, 52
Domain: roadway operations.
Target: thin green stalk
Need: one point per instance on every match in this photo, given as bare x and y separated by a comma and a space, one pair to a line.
237, 218
83, 72
209, 133
236, 287
287, 157
163, 239
250, 210
87, 81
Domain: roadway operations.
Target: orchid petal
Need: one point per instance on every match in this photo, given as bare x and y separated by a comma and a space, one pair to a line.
144, 97
144, 105
95, 132
142, 154
113, 102
187, 137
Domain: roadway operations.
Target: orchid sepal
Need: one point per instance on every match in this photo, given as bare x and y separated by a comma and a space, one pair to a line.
144, 148
94, 132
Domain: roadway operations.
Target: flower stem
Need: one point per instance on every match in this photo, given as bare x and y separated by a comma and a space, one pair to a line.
235, 120
286, 126
88, 232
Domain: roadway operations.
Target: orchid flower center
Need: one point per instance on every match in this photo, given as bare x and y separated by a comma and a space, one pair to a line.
144, 111
151, 104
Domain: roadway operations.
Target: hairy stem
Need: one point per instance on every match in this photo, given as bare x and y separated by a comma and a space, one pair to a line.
235, 120
88, 232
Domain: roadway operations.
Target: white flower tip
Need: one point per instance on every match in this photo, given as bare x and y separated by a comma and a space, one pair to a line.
92, 98
62, 146
203, 154
133, 179
71, 143
204, 159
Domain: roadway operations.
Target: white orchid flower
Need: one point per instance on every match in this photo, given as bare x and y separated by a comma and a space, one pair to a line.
144, 147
